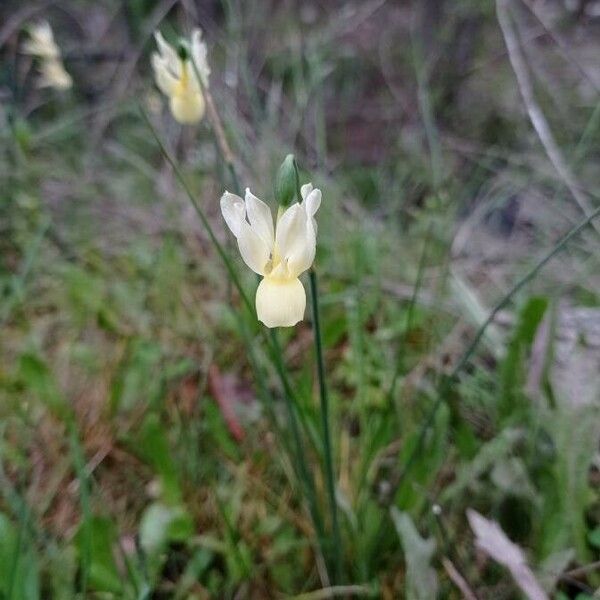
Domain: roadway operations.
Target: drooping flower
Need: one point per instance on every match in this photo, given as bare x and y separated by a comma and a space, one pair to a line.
42, 45
280, 253
176, 77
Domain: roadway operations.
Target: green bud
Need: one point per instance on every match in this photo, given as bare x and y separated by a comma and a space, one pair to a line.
285, 182
183, 51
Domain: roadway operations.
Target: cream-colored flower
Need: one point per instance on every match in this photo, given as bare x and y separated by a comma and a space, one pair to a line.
280, 254
41, 44
41, 41
176, 77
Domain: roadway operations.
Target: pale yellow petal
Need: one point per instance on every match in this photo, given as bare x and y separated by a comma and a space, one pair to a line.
199, 54
233, 209
301, 257
260, 217
255, 253
53, 74
295, 240
41, 41
312, 202
305, 190
289, 226
168, 54
280, 303
165, 81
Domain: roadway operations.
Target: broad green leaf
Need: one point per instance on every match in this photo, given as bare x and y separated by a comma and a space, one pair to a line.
18, 564
104, 575
152, 445
36, 376
139, 378
594, 537
512, 401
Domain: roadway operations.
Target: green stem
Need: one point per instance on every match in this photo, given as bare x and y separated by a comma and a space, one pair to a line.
305, 475
84, 499
409, 317
23, 517
213, 238
297, 451
327, 450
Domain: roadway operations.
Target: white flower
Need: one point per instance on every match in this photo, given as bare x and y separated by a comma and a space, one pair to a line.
280, 254
176, 77
41, 44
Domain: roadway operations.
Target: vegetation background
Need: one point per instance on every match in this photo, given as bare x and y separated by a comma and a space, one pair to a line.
145, 450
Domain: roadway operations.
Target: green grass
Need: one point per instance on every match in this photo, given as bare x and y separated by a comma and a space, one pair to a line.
433, 375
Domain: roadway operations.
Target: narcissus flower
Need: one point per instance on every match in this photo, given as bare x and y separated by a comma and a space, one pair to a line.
41, 44
176, 77
280, 253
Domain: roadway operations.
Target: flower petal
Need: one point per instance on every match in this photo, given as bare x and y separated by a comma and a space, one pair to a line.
280, 303
261, 220
312, 202
53, 74
199, 54
303, 255
290, 225
305, 190
165, 81
41, 41
295, 240
254, 251
168, 53
234, 212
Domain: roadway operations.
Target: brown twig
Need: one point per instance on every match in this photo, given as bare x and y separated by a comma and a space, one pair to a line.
458, 580
334, 592
218, 129
582, 570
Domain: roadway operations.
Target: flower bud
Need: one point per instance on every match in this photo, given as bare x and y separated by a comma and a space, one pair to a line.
183, 51
285, 182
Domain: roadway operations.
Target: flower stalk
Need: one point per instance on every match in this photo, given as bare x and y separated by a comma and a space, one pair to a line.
335, 542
